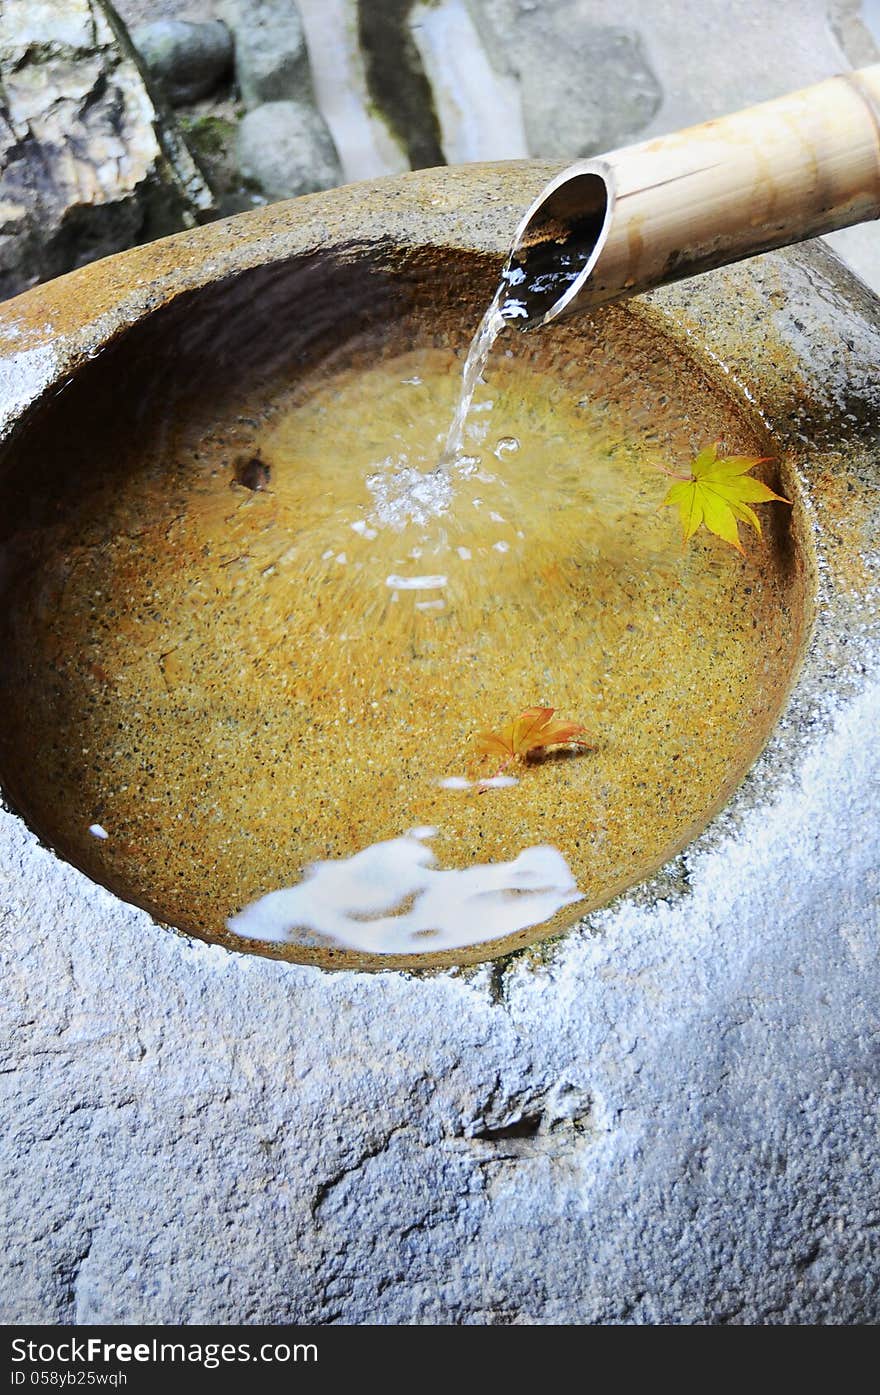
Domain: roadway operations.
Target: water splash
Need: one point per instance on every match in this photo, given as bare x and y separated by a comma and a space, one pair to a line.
403, 494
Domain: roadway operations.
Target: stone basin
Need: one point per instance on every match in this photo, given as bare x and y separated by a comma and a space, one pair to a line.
740, 975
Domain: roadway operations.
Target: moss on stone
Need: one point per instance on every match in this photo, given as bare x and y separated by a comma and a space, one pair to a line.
398, 86
212, 140
210, 135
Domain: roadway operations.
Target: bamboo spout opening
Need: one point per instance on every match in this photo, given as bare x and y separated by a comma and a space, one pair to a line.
558, 243
685, 203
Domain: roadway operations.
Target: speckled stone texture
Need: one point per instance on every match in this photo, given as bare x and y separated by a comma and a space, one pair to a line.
669, 1115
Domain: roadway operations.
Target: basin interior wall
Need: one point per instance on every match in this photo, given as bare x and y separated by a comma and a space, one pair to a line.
188, 785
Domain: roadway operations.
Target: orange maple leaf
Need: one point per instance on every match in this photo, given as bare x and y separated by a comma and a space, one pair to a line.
717, 493
530, 731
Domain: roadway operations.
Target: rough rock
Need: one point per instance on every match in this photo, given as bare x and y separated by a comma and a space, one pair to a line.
285, 149
134, 12
187, 60
585, 87
88, 165
284, 145
271, 60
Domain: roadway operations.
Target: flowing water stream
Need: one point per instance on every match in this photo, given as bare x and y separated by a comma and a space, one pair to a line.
523, 296
488, 330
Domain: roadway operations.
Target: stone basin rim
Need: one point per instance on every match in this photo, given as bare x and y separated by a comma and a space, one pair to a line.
69, 321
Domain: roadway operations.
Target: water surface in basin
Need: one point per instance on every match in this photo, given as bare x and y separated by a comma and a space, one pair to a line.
250, 643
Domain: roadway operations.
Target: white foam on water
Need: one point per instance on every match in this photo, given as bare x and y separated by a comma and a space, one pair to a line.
415, 583
390, 898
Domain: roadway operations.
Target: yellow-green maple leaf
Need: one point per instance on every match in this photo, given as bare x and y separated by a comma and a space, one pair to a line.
718, 494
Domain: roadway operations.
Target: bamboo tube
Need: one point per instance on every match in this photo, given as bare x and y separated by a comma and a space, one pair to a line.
680, 204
